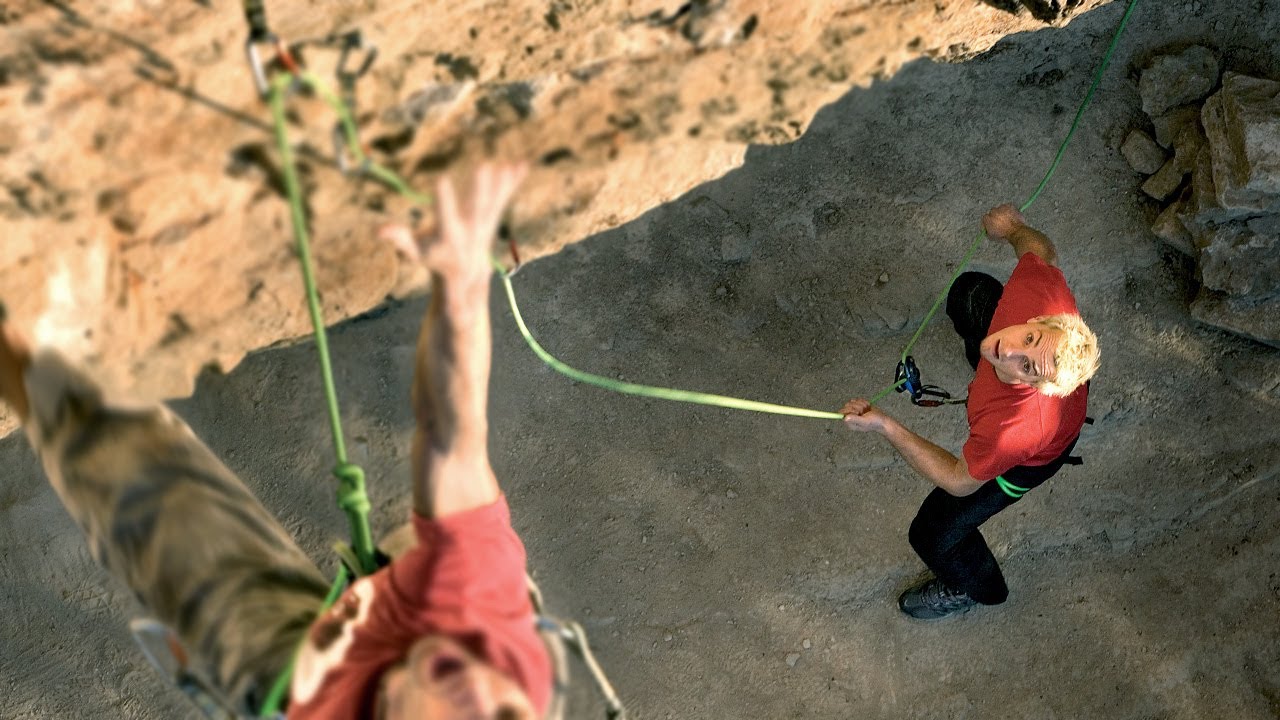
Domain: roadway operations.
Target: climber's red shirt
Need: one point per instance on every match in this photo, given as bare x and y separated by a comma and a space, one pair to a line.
1012, 425
465, 579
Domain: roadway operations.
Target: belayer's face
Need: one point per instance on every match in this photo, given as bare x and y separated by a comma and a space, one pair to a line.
1023, 354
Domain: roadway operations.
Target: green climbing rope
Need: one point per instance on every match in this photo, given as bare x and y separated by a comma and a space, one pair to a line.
664, 393
1062, 149
1040, 188
352, 497
720, 400
271, 703
661, 393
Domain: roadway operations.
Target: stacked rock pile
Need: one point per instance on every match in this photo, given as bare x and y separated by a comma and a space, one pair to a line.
1213, 160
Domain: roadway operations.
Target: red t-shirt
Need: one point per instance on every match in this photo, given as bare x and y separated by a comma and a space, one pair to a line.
465, 579
1012, 425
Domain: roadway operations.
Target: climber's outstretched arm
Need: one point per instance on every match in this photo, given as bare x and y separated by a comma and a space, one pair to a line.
451, 471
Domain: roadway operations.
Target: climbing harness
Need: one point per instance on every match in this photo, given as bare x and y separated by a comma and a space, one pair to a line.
1015, 491
1010, 489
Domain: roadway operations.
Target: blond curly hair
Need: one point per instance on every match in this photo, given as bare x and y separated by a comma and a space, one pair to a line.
1077, 357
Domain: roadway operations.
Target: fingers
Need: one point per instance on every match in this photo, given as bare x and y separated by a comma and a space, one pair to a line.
990, 227
492, 190
447, 205
401, 237
856, 406
465, 226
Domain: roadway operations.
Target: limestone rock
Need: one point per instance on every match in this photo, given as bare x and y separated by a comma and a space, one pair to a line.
1188, 143
1166, 181
1173, 80
1188, 140
1242, 259
1170, 228
1142, 153
1172, 123
1256, 321
143, 210
1202, 211
1240, 270
1243, 125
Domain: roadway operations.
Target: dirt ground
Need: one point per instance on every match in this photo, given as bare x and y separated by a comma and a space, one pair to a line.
735, 565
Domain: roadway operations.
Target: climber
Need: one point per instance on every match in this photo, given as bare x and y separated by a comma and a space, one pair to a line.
1033, 357
445, 631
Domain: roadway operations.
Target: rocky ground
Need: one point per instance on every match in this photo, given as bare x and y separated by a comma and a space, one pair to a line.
738, 565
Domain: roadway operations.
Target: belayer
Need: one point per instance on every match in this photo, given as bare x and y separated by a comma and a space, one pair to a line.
1033, 356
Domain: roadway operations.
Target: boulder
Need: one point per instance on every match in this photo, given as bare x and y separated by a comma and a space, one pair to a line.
1256, 321
1142, 153
1172, 123
1166, 181
1242, 259
1242, 122
1171, 230
1240, 273
1172, 80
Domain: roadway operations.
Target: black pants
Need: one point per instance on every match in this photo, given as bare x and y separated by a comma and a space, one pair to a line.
945, 532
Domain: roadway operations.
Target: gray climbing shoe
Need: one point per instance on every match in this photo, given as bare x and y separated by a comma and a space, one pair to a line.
931, 600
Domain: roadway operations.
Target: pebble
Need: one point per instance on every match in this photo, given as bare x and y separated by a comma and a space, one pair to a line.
667, 637
884, 278
792, 659
731, 494
806, 644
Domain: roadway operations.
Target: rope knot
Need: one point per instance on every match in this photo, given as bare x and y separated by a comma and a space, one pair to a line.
351, 494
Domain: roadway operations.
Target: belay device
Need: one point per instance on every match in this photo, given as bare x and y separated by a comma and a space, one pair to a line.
907, 379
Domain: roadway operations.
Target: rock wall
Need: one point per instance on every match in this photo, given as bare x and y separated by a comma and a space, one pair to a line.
1222, 183
144, 223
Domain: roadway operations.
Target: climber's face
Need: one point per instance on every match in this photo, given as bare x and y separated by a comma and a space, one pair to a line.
1023, 354
440, 680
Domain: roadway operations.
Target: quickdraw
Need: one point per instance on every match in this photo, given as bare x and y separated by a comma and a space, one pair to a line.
558, 634
351, 42
166, 654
